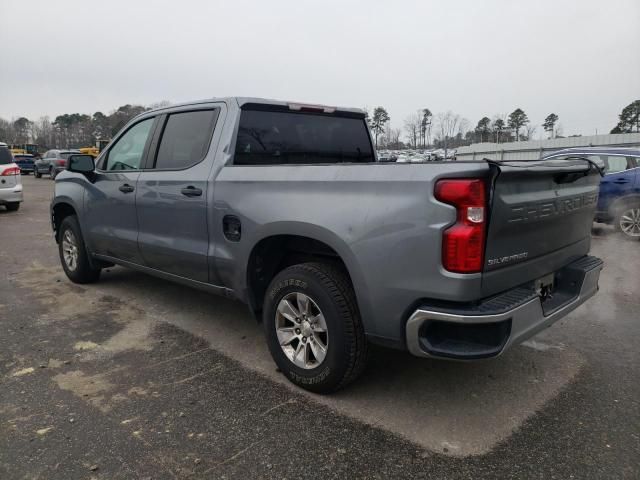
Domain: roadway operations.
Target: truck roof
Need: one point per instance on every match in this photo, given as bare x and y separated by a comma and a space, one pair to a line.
240, 101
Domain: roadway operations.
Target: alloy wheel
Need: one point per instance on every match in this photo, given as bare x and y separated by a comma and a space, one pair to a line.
70, 250
630, 222
301, 330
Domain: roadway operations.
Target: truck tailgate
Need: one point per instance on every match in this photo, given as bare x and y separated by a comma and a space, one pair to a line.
540, 219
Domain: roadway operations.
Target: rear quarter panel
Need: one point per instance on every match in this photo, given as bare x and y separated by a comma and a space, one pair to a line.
381, 219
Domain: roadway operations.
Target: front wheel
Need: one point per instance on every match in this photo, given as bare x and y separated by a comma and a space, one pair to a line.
73, 253
13, 206
313, 327
37, 174
628, 221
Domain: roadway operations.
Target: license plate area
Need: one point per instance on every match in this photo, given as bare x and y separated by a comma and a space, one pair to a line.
545, 286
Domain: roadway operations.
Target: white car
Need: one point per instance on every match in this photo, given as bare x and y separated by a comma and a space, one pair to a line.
10, 180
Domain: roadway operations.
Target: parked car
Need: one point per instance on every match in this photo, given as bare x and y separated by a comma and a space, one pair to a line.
10, 180
52, 163
283, 206
619, 201
25, 161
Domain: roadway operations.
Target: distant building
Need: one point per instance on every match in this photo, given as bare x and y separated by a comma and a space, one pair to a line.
534, 149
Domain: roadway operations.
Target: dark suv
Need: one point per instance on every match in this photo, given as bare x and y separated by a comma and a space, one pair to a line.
619, 200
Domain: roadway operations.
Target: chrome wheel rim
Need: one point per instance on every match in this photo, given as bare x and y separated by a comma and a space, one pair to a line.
630, 222
70, 250
302, 330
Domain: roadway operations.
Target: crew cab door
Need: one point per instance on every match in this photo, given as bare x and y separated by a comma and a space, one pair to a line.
172, 194
110, 218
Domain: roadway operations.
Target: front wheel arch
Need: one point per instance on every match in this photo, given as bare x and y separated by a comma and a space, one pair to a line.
61, 211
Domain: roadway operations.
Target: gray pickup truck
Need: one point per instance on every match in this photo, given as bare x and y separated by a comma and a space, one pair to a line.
284, 207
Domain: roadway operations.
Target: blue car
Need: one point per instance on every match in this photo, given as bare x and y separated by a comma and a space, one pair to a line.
25, 161
619, 200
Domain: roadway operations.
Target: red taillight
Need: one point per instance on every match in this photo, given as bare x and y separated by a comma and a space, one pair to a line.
61, 162
11, 171
463, 242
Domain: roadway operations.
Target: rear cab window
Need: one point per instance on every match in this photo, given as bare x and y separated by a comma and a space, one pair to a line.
280, 136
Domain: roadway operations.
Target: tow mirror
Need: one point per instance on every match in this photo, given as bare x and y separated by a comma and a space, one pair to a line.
81, 164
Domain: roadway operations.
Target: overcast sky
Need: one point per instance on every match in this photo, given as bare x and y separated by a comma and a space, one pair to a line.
579, 59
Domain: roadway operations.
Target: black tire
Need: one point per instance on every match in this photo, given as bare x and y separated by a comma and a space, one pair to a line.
347, 348
52, 174
37, 174
12, 206
83, 272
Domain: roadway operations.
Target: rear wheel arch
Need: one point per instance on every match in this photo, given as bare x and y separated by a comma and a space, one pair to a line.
620, 203
273, 254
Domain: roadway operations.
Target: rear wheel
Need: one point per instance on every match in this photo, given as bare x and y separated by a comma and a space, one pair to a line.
12, 206
628, 221
37, 174
73, 253
313, 327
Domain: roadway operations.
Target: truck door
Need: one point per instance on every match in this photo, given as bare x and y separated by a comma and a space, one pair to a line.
110, 209
171, 198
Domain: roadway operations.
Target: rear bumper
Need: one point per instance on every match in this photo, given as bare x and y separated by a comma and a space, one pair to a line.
486, 329
11, 194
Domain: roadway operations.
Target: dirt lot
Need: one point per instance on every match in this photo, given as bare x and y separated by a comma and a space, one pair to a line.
135, 377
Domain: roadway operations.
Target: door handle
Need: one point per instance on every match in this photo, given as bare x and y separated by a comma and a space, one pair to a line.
126, 188
191, 191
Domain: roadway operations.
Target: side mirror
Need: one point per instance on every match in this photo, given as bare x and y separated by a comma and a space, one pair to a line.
84, 164
81, 164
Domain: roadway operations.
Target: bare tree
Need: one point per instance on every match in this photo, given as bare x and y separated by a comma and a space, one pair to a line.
530, 130
446, 126
412, 128
463, 127
394, 137
43, 132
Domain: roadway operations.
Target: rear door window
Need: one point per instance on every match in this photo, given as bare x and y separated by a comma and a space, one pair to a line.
283, 137
612, 163
185, 139
616, 164
5, 156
